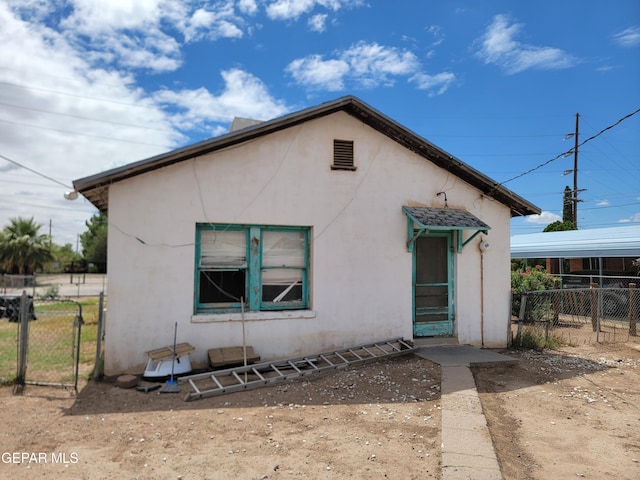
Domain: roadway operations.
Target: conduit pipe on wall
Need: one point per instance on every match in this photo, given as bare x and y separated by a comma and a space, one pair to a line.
484, 246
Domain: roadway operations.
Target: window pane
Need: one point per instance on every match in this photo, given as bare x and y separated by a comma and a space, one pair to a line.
281, 249
281, 285
223, 248
222, 286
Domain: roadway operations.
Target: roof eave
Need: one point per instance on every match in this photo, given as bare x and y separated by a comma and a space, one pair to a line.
96, 187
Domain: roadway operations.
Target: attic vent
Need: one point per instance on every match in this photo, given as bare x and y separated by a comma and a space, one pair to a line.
343, 155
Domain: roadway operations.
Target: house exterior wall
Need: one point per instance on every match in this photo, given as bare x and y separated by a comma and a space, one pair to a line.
360, 270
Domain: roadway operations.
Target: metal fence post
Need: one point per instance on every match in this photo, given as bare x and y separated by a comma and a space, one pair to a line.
97, 369
556, 302
77, 330
633, 321
23, 343
594, 306
523, 309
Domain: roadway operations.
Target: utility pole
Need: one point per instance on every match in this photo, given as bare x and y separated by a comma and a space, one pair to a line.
575, 172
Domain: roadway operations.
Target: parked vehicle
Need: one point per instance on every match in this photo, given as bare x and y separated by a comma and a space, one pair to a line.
613, 294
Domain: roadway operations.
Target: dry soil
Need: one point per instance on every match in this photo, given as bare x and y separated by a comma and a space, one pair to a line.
563, 414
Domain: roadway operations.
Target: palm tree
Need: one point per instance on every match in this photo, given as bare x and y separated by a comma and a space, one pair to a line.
22, 249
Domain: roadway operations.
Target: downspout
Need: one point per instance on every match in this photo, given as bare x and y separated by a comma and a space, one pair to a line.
484, 246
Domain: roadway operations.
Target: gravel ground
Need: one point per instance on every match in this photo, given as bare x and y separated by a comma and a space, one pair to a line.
573, 413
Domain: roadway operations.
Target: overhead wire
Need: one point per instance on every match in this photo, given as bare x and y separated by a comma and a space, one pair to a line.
80, 117
75, 95
570, 151
18, 164
81, 133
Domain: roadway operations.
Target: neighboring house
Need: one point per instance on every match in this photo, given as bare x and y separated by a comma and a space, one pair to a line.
323, 229
589, 253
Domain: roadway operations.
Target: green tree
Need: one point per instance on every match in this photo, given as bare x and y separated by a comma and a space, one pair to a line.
22, 249
560, 226
94, 240
568, 206
63, 255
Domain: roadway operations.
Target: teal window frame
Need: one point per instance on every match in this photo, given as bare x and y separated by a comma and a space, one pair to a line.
253, 269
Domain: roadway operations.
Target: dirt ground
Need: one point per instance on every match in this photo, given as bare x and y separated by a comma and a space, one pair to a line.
572, 413
563, 414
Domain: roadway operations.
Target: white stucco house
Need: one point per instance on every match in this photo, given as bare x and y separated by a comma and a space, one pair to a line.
323, 229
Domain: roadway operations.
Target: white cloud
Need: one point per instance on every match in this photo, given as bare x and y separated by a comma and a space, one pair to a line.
112, 32
436, 32
249, 7
438, 83
215, 22
629, 37
366, 65
294, 9
498, 46
66, 119
603, 203
289, 9
632, 219
244, 95
317, 23
72, 104
544, 218
370, 60
313, 71
142, 34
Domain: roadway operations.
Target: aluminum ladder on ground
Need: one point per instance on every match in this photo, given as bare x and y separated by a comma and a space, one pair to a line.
256, 375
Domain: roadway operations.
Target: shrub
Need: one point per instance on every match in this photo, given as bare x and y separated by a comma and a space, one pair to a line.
531, 279
528, 280
50, 294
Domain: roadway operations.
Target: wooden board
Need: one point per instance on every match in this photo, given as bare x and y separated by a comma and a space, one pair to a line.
167, 352
220, 357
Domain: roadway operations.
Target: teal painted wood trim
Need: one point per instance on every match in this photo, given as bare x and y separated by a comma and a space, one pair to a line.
433, 329
471, 237
307, 266
254, 267
451, 268
253, 278
410, 243
196, 270
444, 327
206, 307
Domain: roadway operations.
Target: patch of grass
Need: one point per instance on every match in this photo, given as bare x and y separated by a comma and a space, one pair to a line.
8, 351
529, 339
51, 342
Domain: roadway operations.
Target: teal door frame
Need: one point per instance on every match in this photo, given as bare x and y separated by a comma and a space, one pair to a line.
442, 316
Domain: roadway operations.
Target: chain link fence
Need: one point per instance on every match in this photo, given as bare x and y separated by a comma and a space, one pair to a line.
50, 341
578, 315
54, 285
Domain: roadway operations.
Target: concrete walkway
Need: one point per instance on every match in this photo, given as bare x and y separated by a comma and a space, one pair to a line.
467, 447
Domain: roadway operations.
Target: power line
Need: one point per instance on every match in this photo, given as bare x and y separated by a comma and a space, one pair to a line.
36, 172
570, 151
75, 95
103, 137
80, 117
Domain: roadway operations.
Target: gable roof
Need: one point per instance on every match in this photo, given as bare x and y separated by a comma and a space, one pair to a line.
96, 187
596, 242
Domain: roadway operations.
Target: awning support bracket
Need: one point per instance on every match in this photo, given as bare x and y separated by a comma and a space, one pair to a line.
413, 234
462, 244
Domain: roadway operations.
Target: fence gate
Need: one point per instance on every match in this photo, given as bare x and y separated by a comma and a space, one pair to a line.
49, 342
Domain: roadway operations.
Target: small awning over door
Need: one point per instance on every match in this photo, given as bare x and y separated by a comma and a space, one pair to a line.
425, 219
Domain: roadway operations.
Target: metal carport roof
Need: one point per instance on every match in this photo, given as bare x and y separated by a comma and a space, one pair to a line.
597, 242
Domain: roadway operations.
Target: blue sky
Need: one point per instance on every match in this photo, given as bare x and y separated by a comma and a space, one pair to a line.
88, 85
